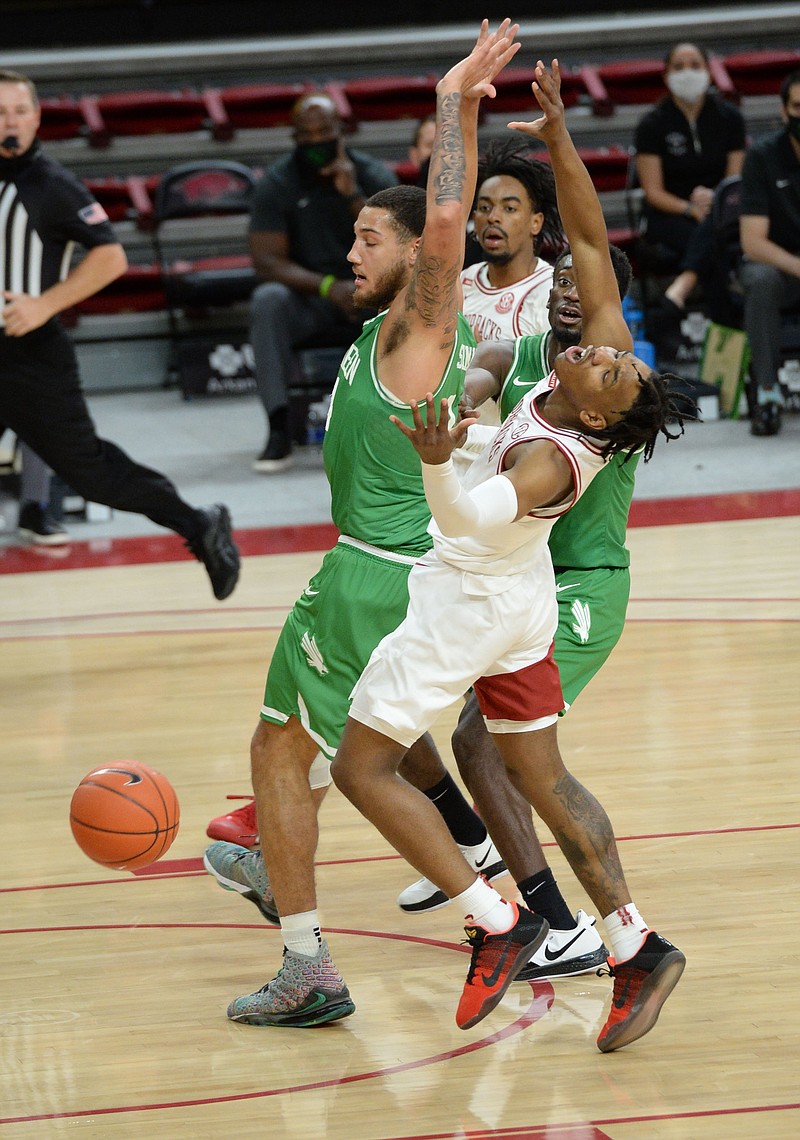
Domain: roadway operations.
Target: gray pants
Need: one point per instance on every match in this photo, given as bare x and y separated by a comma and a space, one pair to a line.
282, 321
767, 294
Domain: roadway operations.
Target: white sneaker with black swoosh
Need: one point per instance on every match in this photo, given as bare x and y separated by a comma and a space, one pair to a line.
567, 952
422, 896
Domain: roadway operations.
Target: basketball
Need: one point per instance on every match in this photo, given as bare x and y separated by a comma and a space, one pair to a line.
124, 815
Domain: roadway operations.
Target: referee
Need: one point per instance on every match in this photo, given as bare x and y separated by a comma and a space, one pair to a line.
44, 211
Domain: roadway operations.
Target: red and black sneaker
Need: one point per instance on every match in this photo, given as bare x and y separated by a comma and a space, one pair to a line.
496, 961
641, 986
239, 826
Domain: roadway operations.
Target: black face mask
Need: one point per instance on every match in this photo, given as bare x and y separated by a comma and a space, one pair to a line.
793, 127
312, 157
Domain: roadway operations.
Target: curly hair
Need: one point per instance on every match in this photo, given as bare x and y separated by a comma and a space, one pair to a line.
515, 158
649, 415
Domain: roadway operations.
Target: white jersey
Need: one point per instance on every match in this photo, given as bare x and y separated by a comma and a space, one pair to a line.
504, 314
510, 549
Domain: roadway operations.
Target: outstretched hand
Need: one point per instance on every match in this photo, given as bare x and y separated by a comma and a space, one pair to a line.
473, 76
433, 440
546, 88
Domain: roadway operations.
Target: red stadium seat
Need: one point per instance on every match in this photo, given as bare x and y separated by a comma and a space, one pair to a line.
514, 92
407, 172
139, 290
761, 72
637, 81
62, 118
260, 105
607, 166
386, 97
122, 198
151, 113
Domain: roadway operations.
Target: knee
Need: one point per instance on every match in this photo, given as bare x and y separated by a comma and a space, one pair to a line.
269, 301
762, 281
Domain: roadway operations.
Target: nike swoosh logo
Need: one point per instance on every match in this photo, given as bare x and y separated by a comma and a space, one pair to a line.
552, 955
623, 996
309, 593
494, 977
521, 383
479, 862
571, 586
319, 999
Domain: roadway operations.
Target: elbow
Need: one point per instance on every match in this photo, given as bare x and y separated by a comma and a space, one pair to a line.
118, 262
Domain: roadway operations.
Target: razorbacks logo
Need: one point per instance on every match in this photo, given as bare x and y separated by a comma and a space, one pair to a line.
505, 304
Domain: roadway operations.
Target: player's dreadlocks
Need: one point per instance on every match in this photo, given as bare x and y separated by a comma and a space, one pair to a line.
649, 416
515, 158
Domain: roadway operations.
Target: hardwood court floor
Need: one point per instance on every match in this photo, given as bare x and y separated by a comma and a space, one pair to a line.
113, 987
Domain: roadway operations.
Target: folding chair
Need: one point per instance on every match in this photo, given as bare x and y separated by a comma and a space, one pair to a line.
201, 190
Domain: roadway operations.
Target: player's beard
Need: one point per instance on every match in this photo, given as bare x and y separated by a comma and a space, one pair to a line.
565, 337
385, 289
498, 257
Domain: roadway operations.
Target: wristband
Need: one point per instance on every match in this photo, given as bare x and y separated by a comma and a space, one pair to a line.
687, 210
326, 284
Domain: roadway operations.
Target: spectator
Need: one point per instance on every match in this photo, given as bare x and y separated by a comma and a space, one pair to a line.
301, 229
45, 209
685, 146
421, 148
770, 234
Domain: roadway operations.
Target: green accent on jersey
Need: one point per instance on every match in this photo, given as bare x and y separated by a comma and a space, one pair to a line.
374, 473
592, 534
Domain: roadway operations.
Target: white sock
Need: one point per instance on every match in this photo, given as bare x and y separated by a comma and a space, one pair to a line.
482, 905
626, 930
301, 933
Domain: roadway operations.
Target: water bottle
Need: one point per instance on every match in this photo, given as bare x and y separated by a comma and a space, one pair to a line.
634, 319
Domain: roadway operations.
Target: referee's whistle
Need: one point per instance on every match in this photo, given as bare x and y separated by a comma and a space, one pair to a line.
10, 142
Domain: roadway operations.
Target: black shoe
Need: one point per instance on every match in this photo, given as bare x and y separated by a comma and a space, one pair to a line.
215, 548
766, 419
38, 525
277, 455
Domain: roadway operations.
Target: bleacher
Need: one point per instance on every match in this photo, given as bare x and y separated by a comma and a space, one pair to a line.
122, 141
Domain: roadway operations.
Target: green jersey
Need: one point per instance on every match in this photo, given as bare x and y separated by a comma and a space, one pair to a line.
374, 473
592, 534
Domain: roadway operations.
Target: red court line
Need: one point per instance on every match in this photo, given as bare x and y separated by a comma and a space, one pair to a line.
190, 868
321, 536
543, 997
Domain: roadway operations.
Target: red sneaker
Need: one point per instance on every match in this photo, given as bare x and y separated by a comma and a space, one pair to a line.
239, 826
496, 961
641, 986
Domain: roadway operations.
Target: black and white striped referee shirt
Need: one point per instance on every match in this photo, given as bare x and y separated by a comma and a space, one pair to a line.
44, 212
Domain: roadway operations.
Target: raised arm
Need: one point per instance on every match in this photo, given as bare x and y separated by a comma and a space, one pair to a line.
581, 214
433, 293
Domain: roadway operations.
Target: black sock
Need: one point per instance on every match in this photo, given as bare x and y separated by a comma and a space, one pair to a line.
542, 895
465, 826
279, 420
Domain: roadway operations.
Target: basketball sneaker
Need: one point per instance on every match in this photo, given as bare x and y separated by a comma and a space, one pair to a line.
641, 986
306, 992
496, 961
567, 952
424, 895
238, 826
237, 869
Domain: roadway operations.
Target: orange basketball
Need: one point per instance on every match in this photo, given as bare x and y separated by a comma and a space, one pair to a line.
124, 815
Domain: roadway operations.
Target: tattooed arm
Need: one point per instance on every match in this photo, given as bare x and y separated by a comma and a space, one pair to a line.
433, 292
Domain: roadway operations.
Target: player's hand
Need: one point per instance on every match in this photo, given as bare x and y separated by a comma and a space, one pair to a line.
546, 88
473, 76
432, 438
23, 313
342, 172
341, 295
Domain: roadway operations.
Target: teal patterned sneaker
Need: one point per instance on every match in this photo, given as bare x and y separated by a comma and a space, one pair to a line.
237, 869
306, 992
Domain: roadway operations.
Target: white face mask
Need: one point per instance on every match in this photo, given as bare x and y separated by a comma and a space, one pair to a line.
689, 84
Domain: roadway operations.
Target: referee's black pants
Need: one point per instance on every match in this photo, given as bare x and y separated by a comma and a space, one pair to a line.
42, 402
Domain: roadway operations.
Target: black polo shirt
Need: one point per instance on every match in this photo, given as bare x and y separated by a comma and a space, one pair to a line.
317, 220
691, 156
771, 188
44, 211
